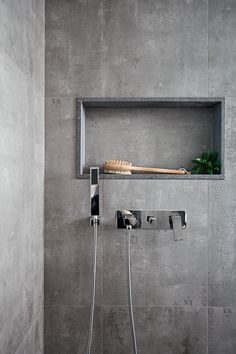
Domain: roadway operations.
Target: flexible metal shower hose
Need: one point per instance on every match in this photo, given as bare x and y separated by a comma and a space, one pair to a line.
95, 237
90, 337
131, 311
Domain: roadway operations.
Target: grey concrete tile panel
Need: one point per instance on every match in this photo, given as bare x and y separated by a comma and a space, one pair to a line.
158, 330
164, 272
17, 33
73, 48
38, 73
69, 244
68, 264
22, 165
34, 178
230, 133
169, 273
222, 206
222, 330
38, 274
60, 137
66, 200
33, 340
222, 260
16, 202
26, 346
222, 47
155, 48
38, 332
116, 331
66, 330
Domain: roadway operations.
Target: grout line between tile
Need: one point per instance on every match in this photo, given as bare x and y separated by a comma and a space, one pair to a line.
126, 306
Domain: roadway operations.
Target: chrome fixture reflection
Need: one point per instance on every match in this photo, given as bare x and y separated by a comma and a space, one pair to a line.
94, 190
127, 218
151, 219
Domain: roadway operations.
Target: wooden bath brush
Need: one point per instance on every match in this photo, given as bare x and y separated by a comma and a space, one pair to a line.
126, 168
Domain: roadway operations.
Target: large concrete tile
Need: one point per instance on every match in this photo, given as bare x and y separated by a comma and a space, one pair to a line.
38, 333
69, 244
164, 272
172, 330
66, 330
73, 48
38, 280
222, 259
26, 346
38, 69
22, 171
222, 330
222, 207
66, 200
18, 198
116, 331
68, 240
230, 140
18, 33
60, 137
155, 48
222, 47
158, 330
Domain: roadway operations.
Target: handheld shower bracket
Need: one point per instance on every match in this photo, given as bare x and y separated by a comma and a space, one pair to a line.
94, 220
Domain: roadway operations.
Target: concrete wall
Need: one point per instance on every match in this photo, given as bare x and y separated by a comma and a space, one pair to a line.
184, 293
22, 175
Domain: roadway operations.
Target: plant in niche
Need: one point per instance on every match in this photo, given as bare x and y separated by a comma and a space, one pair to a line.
207, 163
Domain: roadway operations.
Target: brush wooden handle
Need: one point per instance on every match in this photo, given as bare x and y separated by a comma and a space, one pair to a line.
158, 170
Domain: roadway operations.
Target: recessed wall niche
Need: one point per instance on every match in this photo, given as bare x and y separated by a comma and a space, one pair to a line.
150, 132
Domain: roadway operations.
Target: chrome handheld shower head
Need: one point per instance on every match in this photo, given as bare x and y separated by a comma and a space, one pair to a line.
94, 191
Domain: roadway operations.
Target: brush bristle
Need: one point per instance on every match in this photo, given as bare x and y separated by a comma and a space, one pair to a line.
119, 172
118, 162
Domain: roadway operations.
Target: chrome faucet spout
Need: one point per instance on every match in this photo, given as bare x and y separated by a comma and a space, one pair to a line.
127, 219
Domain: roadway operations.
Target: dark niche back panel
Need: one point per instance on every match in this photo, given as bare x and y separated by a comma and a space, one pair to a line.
158, 137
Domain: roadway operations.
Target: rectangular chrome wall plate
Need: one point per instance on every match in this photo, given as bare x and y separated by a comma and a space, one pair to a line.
153, 219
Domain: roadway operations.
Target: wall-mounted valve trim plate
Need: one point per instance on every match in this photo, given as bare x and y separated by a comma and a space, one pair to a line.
152, 219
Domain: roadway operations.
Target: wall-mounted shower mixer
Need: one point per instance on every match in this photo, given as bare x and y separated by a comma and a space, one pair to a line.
153, 220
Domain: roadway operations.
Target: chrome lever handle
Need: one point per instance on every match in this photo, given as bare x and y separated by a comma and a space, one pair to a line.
151, 219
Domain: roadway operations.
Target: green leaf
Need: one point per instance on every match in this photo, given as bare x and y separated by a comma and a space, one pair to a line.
207, 163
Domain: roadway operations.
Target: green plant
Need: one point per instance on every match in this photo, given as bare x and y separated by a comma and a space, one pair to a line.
207, 163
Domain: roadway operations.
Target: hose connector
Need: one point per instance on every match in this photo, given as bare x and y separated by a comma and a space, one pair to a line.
94, 220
